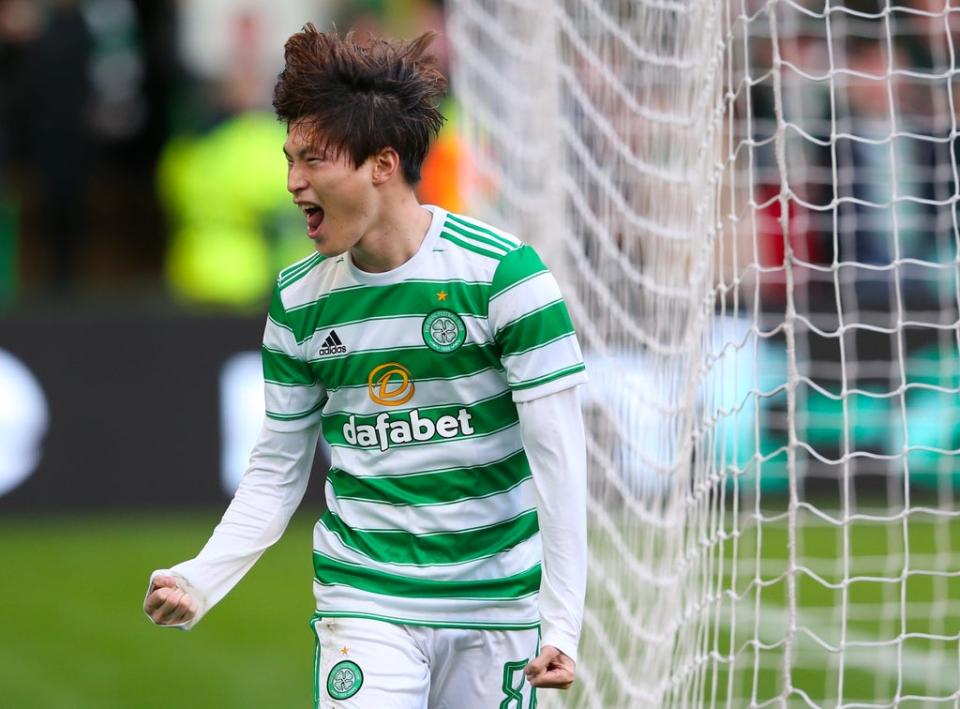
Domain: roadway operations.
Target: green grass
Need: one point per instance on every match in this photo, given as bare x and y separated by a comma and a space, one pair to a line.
73, 634
900, 626
899, 633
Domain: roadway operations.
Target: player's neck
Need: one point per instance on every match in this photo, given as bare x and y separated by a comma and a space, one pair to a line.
395, 237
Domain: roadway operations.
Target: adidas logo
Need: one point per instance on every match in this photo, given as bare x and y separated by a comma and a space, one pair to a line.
332, 345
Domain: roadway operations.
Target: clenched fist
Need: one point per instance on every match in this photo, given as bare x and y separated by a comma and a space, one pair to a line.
551, 669
167, 603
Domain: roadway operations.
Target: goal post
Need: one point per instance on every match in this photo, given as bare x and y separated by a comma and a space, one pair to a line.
751, 208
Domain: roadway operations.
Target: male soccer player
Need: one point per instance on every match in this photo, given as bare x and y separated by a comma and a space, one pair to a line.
437, 357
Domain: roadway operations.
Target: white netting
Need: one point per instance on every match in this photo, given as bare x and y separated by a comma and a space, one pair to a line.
752, 211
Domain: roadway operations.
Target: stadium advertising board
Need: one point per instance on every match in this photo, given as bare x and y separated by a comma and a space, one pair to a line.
127, 410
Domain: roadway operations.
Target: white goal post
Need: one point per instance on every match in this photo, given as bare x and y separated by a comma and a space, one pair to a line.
751, 208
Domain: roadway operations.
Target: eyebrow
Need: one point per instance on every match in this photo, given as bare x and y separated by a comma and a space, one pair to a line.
304, 151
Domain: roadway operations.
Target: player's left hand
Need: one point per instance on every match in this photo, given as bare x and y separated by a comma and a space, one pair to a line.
551, 669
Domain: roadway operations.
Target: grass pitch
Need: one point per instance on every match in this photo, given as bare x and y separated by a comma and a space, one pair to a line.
73, 634
876, 622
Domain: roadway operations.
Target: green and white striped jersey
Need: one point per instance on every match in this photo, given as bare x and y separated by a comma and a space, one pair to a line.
414, 374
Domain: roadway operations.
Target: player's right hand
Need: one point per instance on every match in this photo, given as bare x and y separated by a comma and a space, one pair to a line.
552, 668
168, 604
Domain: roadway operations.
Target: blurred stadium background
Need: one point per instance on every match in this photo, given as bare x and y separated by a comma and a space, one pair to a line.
143, 214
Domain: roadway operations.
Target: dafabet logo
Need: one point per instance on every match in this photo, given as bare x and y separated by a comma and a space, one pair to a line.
390, 384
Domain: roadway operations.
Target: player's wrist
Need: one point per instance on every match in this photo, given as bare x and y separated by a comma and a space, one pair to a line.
562, 642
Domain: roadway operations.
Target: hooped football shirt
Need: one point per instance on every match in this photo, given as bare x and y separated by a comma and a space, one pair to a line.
415, 374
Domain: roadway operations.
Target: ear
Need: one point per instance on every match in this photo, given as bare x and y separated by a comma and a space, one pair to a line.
386, 164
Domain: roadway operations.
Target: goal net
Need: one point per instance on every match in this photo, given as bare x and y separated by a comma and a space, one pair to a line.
751, 209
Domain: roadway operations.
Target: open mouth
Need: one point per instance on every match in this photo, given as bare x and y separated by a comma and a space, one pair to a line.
314, 214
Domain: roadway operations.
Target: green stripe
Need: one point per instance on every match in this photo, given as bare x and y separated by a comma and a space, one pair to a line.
549, 377
353, 369
277, 312
416, 298
286, 370
435, 487
399, 547
471, 224
316, 666
330, 571
294, 417
516, 266
295, 273
490, 240
482, 625
546, 324
297, 265
486, 416
451, 237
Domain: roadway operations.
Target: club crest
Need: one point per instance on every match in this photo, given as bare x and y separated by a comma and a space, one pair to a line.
443, 330
344, 680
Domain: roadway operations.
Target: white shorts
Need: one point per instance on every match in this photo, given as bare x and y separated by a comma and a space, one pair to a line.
371, 664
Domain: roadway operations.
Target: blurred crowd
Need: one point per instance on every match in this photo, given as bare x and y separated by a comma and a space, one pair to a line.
870, 164
871, 154
139, 155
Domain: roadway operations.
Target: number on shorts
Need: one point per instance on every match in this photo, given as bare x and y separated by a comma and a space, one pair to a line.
513, 690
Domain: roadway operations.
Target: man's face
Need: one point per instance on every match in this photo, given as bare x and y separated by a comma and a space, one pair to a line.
337, 199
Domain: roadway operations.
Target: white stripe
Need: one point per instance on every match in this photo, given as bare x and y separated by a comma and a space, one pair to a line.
459, 262
483, 225
480, 224
452, 453
293, 424
295, 266
542, 361
507, 563
288, 400
464, 391
427, 610
321, 279
280, 339
389, 333
513, 304
316, 297
453, 261
494, 251
427, 519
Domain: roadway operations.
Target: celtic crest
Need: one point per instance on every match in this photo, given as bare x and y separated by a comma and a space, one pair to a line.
443, 331
344, 680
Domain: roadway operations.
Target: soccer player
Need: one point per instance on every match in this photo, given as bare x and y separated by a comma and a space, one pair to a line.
437, 357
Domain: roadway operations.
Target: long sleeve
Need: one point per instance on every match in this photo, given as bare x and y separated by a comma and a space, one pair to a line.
553, 437
269, 493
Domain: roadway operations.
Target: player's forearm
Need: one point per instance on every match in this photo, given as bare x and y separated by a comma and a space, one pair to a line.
553, 437
268, 495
